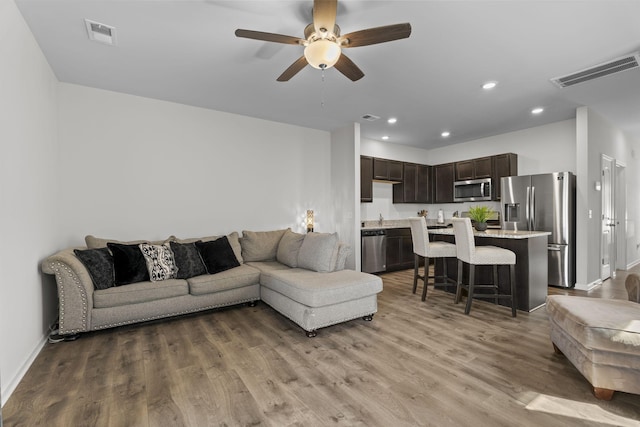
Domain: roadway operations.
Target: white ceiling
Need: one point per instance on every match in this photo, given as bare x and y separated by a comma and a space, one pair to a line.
185, 51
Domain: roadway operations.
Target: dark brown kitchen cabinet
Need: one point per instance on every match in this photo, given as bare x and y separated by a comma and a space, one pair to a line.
474, 169
387, 170
443, 177
415, 186
503, 165
366, 179
399, 249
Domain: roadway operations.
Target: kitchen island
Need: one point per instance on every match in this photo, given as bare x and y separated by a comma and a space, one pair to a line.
531, 269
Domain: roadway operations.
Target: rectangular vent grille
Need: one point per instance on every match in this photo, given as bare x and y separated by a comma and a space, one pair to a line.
100, 32
616, 66
370, 117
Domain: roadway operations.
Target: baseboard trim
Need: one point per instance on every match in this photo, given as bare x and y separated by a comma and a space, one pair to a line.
13, 382
588, 286
633, 264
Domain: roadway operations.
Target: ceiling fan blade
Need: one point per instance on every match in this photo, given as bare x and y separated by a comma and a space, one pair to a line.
324, 15
268, 37
293, 69
376, 35
348, 68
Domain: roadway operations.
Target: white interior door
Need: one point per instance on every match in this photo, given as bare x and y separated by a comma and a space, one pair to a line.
607, 243
620, 197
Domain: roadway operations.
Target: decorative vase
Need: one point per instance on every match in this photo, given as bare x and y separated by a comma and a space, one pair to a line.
481, 226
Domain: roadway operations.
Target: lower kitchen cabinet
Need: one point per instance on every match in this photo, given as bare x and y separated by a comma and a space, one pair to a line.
399, 249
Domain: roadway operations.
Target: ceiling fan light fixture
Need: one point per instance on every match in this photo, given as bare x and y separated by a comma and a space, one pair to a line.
322, 53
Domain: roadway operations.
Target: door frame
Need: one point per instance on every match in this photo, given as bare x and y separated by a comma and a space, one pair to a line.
620, 200
607, 200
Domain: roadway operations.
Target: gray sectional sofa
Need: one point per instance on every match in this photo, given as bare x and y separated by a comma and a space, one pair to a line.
301, 276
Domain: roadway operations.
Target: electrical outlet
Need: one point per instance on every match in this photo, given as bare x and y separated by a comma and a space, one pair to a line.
590, 214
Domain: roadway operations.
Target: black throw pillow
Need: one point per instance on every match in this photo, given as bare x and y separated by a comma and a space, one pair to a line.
217, 255
99, 263
129, 264
187, 259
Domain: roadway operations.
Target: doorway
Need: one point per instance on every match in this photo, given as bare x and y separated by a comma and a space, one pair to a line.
613, 243
607, 220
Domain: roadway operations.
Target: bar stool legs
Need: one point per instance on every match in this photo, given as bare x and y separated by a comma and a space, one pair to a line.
471, 286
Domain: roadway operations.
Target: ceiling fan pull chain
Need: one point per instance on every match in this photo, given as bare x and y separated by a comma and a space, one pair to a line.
322, 91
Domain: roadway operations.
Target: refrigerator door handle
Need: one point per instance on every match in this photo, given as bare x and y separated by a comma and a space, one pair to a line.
526, 209
532, 226
552, 248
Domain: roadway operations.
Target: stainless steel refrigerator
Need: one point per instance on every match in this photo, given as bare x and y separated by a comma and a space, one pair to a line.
545, 202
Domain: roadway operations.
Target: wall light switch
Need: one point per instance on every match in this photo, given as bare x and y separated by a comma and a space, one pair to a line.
590, 214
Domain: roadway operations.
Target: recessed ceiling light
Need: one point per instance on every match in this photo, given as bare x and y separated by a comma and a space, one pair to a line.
489, 85
392, 120
537, 110
445, 134
385, 137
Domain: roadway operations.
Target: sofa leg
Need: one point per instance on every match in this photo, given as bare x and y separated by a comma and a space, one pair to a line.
311, 334
603, 393
368, 317
556, 350
252, 303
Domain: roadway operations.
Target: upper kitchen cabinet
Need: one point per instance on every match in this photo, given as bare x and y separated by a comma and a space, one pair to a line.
503, 165
366, 179
473, 169
387, 170
415, 186
443, 177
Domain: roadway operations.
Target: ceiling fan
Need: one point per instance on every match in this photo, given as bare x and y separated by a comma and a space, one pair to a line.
323, 43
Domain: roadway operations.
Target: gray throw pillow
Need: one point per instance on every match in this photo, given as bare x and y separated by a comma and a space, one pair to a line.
319, 252
99, 263
260, 245
289, 247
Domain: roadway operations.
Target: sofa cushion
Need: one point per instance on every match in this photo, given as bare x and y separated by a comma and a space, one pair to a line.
99, 242
139, 292
344, 250
99, 263
128, 263
217, 255
319, 252
187, 259
260, 245
237, 277
289, 247
234, 241
317, 290
160, 262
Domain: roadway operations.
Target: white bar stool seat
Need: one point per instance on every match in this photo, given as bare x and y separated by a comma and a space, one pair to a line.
469, 253
423, 248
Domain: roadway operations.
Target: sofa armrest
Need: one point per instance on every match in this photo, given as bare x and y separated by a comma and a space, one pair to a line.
75, 291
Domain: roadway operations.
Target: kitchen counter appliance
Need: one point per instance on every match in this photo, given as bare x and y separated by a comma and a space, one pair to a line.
473, 190
545, 202
374, 251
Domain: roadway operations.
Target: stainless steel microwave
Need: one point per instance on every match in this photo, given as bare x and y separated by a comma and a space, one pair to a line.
472, 190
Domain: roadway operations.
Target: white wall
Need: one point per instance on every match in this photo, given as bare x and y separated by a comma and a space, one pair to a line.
133, 167
28, 214
596, 136
542, 149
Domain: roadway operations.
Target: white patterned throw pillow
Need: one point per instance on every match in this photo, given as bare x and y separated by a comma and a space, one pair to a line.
160, 261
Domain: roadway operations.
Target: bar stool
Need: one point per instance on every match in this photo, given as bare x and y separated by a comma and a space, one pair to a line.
474, 255
424, 249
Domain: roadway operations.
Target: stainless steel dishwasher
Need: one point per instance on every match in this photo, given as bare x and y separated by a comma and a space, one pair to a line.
374, 251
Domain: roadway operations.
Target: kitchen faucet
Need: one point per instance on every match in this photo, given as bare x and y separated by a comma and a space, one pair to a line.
381, 220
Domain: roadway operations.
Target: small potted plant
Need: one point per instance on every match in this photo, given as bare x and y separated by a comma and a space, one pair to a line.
479, 215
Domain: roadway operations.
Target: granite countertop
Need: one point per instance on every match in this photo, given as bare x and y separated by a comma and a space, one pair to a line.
399, 223
496, 234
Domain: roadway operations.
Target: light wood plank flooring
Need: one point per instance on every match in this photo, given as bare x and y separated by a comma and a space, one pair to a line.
417, 363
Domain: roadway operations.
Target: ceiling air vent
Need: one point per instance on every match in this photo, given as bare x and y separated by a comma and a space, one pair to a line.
370, 117
100, 32
617, 65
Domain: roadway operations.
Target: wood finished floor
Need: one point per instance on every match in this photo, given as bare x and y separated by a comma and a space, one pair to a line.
417, 363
